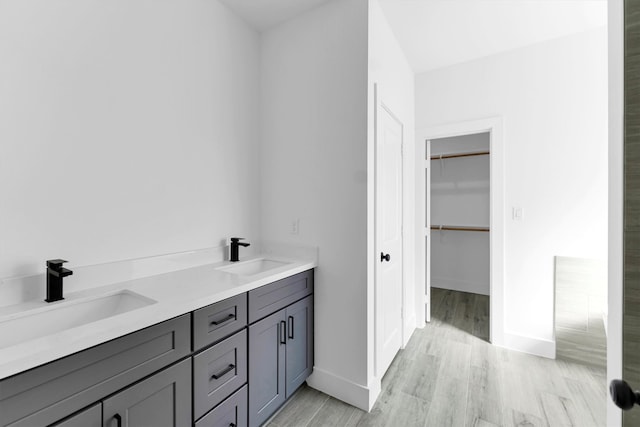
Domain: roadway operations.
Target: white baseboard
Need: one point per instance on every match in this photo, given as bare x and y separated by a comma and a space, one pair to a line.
535, 346
409, 328
342, 389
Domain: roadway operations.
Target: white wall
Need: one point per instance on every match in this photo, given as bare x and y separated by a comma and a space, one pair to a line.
317, 167
128, 129
552, 97
616, 200
314, 168
395, 80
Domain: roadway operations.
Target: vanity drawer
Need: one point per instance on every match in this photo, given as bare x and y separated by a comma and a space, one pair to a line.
270, 298
57, 389
232, 411
218, 372
219, 320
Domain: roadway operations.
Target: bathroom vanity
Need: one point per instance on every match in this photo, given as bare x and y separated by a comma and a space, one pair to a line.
232, 362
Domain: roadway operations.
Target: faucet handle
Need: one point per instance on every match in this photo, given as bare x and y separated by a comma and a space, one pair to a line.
236, 239
55, 264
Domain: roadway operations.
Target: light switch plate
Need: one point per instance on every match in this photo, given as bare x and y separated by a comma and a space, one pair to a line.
518, 214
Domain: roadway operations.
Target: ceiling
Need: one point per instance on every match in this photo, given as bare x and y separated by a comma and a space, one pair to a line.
264, 14
439, 33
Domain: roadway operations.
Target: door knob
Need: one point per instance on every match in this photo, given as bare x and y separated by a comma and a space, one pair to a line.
623, 395
384, 257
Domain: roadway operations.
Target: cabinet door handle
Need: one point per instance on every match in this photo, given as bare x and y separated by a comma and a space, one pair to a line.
223, 372
232, 425
384, 257
224, 320
283, 332
290, 327
118, 419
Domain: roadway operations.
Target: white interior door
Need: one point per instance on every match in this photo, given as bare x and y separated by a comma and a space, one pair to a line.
427, 231
388, 237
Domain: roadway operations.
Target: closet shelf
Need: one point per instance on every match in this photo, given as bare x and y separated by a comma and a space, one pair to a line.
451, 156
458, 228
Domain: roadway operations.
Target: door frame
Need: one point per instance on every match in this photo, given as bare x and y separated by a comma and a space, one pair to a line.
616, 68
378, 339
493, 125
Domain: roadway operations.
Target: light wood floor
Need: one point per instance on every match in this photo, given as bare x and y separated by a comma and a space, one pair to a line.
580, 295
449, 375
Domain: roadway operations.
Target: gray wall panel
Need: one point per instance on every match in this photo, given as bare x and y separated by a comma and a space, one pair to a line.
631, 316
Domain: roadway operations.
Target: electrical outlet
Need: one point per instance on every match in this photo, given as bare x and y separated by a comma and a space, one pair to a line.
295, 226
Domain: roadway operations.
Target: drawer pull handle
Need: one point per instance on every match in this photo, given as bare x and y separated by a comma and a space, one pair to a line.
223, 372
290, 327
221, 321
118, 419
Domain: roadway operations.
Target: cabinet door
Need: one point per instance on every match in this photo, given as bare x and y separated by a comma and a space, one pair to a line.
299, 349
162, 400
90, 417
267, 340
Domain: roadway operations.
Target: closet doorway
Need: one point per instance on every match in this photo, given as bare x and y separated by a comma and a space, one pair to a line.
459, 205
463, 212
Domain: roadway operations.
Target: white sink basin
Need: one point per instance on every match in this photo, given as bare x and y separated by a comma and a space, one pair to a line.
66, 315
253, 267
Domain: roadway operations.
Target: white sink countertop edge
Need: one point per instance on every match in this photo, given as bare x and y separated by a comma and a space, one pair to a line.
176, 293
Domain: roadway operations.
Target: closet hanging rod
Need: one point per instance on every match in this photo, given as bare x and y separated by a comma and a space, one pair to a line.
458, 228
451, 156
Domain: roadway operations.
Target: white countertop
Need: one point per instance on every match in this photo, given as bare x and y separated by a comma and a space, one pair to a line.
176, 293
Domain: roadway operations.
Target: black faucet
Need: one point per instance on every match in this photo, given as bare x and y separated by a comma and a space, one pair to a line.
55, 273
235, 243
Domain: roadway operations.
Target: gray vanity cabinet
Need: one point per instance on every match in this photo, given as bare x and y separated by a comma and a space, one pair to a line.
280, 345
203, 368
280, 358
162, 400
